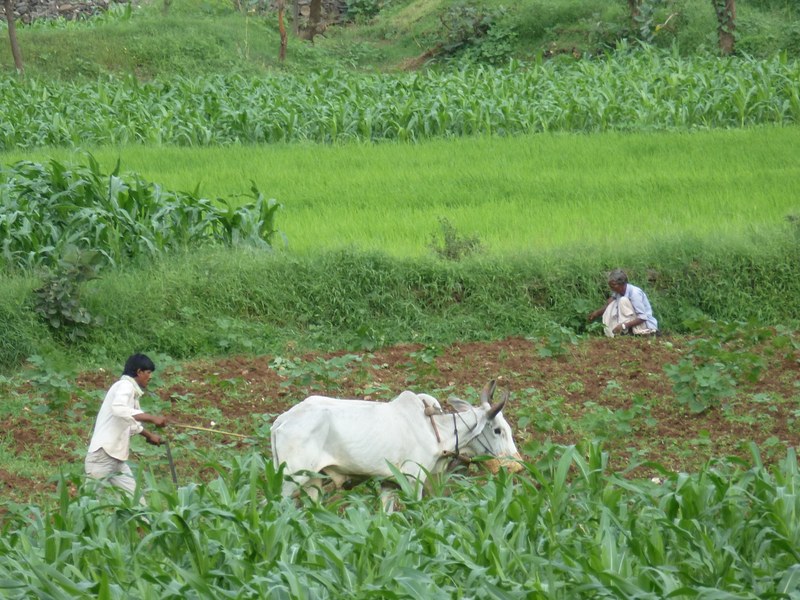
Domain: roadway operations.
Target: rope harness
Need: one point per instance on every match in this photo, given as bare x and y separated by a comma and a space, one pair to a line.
429, 412
455, 456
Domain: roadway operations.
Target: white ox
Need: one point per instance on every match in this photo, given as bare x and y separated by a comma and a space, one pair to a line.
354, 439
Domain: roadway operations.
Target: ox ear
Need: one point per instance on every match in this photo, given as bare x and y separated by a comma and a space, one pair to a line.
459, 404
488, 392
495, 409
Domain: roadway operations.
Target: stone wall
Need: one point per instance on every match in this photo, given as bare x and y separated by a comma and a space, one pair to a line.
331, 9
26, 11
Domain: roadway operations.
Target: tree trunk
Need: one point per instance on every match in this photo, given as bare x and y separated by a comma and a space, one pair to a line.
726, 25
315, 15
633, 6
282, 30
12, 36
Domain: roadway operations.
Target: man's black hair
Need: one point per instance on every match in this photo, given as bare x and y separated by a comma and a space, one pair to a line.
138, 362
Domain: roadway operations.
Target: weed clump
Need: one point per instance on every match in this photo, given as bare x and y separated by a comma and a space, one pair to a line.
452, 245
57, 301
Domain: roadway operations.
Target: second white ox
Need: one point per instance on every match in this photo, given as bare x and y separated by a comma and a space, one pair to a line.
354, 439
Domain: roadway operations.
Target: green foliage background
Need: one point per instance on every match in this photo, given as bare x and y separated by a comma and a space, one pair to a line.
566, 527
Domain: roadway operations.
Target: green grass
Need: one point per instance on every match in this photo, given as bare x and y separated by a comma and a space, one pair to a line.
194, 38
553, 212
221, 301
531, 194
201, 37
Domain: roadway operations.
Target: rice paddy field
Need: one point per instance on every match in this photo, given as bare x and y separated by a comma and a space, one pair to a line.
523, 194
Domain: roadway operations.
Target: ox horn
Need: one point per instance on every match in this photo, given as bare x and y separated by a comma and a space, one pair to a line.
494, 409
488, 392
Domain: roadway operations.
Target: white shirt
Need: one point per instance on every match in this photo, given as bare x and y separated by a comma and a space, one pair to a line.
641, 305
115, 423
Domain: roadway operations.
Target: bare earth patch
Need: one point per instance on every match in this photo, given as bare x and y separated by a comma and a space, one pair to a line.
610, 390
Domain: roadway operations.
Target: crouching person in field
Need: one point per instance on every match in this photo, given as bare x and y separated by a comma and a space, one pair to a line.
119, 419
627, 311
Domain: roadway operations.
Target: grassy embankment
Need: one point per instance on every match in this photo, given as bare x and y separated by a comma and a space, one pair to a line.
200, 37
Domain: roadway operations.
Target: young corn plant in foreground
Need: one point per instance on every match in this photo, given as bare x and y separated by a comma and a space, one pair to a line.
566, 528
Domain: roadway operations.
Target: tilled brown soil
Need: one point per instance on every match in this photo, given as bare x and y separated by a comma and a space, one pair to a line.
612, 390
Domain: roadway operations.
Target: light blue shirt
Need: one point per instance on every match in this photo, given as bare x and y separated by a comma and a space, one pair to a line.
640, 303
